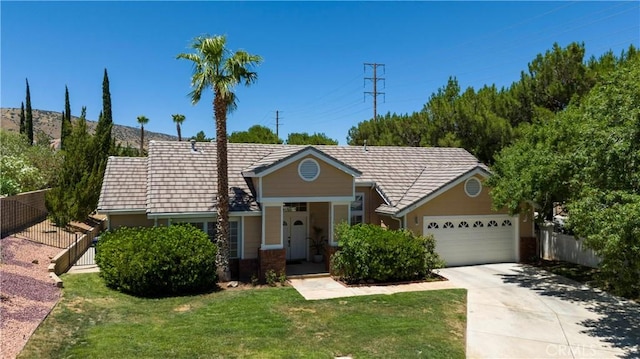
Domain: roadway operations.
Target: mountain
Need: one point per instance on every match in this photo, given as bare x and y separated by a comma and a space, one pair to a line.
49, 123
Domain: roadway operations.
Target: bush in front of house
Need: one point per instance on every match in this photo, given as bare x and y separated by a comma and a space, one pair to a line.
369, 252
157, 261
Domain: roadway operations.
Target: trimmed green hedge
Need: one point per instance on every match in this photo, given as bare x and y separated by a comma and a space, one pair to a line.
370, 252
158, 261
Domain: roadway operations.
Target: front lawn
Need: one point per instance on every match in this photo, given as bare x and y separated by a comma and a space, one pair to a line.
92, 321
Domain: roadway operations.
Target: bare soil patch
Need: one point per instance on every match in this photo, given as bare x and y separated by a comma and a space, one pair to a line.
28, 293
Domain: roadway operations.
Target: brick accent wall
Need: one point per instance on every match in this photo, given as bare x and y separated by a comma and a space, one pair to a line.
21, 211
328, 252
528, 249
272, 259
248, 268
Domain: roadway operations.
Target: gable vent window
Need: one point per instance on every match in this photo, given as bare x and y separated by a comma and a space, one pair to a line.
309, 169
472, 187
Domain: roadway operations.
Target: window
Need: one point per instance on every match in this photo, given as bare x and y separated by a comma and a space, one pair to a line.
463, 224
432, 225
492, 223
357, 209
234, 237
295, 207
308, 169
478, 224
472, 187
448, 225
506, 223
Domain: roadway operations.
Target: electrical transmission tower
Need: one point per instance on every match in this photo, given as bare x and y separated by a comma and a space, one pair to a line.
374, 80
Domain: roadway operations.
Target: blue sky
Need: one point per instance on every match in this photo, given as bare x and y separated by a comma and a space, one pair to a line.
313, 52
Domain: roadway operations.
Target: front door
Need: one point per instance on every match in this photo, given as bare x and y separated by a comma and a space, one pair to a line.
294, 231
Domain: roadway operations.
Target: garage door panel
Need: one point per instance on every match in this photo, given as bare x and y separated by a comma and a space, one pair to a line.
464, 240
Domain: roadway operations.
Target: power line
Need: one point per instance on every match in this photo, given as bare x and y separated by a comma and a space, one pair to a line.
375, 91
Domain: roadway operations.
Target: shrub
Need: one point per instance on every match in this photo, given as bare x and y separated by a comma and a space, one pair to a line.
157, 261
369, 252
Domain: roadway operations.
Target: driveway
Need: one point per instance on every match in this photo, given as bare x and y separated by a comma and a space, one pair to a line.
518, 311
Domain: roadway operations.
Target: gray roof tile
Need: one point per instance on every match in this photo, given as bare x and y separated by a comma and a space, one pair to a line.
182, 180
124, 185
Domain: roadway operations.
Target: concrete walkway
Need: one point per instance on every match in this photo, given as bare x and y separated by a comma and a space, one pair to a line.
327, 288
518, 311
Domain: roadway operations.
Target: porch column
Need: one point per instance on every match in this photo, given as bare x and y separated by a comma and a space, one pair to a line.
338, 213
272, 254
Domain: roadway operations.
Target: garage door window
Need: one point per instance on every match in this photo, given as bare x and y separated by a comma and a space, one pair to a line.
478, 224
492, 223
463, 224
448, 225
432, 225
506, 223
472, 187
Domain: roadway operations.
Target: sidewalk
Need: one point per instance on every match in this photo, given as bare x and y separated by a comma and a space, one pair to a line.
327, 288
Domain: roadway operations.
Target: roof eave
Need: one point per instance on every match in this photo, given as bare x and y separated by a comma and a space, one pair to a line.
479, 169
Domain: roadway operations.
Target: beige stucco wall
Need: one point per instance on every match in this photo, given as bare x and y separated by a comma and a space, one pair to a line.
129, 220
318, 217
331, 182
455, 202
252, 237
272, 225
340, 213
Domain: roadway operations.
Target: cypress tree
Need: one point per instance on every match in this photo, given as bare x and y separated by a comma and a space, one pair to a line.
22, 124
105, 123
66, 127
29, 117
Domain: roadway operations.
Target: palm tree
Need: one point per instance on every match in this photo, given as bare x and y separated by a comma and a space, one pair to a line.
142, 120
219, 68
178, 119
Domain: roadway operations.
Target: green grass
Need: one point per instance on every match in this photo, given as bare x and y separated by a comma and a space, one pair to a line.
92, 321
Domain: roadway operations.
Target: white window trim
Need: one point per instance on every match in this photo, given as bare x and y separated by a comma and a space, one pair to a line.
360, 212
303, 162
479, 184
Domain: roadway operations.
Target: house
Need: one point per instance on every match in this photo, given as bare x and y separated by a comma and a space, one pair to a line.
280, 193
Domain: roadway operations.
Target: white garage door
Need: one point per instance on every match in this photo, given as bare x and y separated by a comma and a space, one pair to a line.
464, 240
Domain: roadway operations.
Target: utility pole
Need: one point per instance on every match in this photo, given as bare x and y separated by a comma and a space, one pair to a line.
277, 124
374, 80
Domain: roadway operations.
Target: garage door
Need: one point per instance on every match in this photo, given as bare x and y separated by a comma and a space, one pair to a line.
464, 240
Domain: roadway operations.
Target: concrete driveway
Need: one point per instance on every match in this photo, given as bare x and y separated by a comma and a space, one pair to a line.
518, 311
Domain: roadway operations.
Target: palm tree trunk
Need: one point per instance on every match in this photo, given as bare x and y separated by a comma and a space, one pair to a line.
222, 258
179, 134
141, 140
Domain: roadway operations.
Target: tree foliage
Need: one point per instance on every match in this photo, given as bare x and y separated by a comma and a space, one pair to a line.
74, 195
178, 119
304, 138
22, 119
486, 120
201, 137
255, 134
66, 119
23, 167
142, 120
588, 157
218, 68
28, 124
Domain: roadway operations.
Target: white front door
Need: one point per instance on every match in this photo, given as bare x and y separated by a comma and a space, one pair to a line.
294, 231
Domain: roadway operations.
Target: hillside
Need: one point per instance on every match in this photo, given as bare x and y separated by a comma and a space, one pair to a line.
49, 123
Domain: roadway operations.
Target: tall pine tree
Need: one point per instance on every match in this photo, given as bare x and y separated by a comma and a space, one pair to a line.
29, 118
65, 131
22, 124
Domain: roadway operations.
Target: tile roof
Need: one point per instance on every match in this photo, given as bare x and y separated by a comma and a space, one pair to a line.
125, 184
182, 180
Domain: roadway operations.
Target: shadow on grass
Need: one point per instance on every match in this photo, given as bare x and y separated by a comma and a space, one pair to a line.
619, 322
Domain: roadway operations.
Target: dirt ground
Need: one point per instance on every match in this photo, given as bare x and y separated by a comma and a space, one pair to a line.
27, 293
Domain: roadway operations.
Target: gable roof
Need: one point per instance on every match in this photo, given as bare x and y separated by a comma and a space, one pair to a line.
287, 155
180, 180
124, 185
